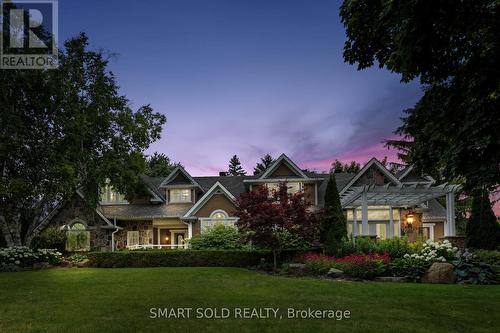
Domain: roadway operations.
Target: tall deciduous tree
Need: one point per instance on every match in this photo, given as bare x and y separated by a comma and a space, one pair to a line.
64, 130
159, 165
453, 48
333, 221
482, 230
269, 219
235, 168
265, 162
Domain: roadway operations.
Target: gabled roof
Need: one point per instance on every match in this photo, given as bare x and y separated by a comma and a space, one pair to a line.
203, 200
153, 184
174, 173
407, 175
283, 159
372, 163
233, 184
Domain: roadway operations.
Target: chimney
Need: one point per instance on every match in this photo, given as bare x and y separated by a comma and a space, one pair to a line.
222, 174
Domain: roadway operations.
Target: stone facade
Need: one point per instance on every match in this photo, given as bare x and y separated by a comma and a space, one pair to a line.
145, 229
77, 210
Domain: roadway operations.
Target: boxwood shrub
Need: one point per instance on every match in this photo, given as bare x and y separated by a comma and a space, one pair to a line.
187, 258
178, 258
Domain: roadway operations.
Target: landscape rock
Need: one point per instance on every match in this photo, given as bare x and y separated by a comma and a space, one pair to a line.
440, 272
41, 265
391, 279
82, 263
335, 273
296, 269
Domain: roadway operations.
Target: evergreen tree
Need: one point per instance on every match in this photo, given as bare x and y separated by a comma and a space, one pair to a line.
352, 167
333, 223
235, 168
265, 162
337, 167
483, 231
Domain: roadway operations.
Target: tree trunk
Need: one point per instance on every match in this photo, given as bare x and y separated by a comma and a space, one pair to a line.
6, 232
11, 230
38, 225
275, 259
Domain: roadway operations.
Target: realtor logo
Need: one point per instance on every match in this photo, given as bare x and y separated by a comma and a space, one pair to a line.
28, 34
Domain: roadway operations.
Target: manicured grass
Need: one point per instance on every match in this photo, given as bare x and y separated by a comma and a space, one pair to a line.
119, 300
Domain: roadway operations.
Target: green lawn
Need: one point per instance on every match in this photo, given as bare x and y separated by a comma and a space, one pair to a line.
119, 300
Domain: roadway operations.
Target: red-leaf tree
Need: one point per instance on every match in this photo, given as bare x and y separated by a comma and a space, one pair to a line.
269, 218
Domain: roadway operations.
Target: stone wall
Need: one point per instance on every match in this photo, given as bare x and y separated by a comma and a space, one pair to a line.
145, 229
78, 210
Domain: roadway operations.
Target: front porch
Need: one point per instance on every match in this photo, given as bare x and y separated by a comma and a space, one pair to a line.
153, 234
393, 211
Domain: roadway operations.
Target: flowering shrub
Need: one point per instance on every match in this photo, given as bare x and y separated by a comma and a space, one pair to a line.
318, 264
21, 256
364, 266
410, 267
414, 266
396, 247
360, 266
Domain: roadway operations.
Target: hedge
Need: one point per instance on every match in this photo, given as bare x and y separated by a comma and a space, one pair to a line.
185, 258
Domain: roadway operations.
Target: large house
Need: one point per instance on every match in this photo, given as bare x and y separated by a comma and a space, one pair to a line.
377, 203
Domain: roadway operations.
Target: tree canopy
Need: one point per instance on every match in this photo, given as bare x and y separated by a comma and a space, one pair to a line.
63, 130
159, 165
452, 47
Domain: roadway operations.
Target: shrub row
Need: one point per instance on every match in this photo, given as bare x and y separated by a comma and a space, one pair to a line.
186, 258
21, 257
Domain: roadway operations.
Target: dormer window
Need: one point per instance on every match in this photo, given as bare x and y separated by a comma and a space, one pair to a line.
180, 195
110, 196
293, 187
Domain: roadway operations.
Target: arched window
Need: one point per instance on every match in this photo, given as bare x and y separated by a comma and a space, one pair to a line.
78, 226
78, 238
219, 214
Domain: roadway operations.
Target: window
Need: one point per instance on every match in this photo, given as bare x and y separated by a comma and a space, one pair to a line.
219, 215
375, 213
132, 238
293, 187
77, 237
109, 195
180, 195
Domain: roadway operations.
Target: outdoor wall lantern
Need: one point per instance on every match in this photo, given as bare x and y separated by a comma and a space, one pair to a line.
410, 219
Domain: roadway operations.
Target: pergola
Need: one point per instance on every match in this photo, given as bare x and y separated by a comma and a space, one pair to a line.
402, 195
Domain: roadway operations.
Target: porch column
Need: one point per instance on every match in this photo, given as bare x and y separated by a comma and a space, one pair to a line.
364, 214
449, 228
354, 223
172, 239
390, 234
399, 222
190, 230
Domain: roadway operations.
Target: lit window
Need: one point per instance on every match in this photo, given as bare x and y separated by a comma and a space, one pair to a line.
109, 195
218, 215
180, 195
292, 187
132, 238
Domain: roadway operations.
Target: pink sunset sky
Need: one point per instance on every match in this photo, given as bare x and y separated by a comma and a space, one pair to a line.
246, 78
